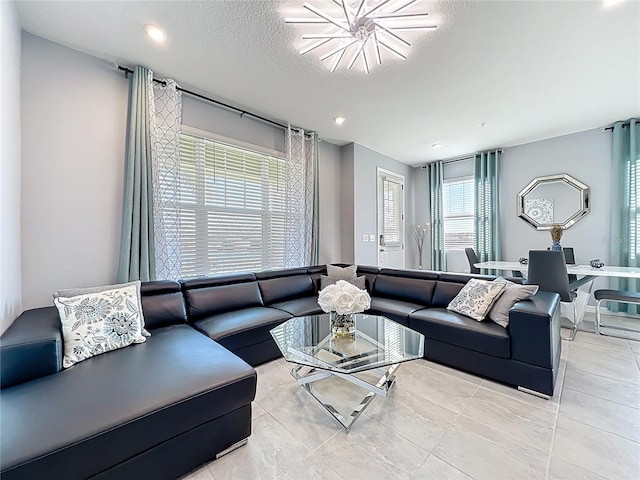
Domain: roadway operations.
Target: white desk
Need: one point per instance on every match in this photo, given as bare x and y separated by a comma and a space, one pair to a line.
584, 292
583, 270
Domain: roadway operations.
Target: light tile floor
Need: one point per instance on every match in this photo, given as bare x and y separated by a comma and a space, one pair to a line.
439, 423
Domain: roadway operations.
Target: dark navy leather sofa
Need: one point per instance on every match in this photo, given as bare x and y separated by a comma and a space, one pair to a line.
161, 408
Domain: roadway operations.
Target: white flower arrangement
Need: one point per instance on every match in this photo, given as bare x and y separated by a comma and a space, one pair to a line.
343, 298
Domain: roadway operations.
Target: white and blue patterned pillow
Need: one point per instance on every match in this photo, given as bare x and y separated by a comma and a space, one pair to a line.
476, 298
99, 322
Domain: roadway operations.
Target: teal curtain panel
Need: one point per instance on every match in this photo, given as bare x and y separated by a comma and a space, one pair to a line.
436, 215
487, 206
625, 208
137, 244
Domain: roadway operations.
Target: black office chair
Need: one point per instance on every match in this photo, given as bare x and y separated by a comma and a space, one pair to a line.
548, 269
473, 259
569, 259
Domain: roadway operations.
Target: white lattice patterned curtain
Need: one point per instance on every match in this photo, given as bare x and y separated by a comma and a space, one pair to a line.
166, 119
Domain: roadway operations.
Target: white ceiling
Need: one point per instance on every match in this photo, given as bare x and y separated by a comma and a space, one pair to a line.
529, 69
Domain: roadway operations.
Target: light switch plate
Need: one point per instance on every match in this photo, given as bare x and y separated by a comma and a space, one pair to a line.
372, 238
365, 238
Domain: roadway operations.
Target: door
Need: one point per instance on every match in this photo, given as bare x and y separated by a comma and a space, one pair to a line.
390, 219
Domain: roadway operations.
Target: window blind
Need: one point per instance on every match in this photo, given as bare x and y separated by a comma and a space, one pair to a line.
392, 211
232, 208
457, 199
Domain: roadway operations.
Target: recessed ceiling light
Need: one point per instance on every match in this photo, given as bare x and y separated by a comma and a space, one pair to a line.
155, 33
437, 145
483, 124
339, 120
611, 3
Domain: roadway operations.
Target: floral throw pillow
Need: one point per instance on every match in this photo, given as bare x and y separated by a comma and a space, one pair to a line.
476, 298
73, 292
99, 322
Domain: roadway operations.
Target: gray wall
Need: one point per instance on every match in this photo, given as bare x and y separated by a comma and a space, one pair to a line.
586, 156
10, 273
365, 163
74, 109
330, 203
347, 202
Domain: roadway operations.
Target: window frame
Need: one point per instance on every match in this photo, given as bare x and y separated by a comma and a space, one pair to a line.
202, 210
449, 181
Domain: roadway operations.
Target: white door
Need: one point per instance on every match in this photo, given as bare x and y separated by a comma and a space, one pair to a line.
390, 219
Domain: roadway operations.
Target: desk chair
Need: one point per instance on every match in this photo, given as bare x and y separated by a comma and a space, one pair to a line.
548, 269
473, 259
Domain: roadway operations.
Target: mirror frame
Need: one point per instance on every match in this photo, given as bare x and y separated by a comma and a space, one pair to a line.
581, 188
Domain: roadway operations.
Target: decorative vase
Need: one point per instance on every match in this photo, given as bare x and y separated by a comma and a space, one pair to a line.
342, 324
555, 246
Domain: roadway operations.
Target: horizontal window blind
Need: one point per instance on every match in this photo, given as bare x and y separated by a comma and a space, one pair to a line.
391, 211
232, 208
457, 201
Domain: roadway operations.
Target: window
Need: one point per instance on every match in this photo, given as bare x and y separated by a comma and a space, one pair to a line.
232, 208
457, 200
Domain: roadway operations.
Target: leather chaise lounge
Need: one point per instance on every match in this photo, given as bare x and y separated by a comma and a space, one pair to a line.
161, 408
149, 411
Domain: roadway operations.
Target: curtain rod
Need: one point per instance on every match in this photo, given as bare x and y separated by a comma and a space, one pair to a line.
127, 71
610, 127
458, 159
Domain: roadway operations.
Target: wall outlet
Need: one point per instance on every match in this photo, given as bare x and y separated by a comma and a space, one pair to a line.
372, 238
365, 238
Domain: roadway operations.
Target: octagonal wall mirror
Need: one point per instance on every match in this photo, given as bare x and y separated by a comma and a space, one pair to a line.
553, 199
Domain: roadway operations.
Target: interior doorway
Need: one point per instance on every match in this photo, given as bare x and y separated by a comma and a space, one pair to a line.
390, 208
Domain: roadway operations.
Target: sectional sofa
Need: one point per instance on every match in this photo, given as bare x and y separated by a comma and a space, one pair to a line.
161, 408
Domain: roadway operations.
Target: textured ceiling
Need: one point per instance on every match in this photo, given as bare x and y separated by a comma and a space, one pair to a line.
528, 69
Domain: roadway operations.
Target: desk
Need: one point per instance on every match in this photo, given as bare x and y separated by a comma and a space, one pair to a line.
583, 270
588, 274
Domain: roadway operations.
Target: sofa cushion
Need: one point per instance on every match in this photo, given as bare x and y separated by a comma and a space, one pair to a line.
112, 407
410, 290
162, 304
476, 298
284, 288
396, 310
95, 323
31, 347
73, 292
342, 273
444, 292
241, 328
204, 302
300, 306
512, 294
455, 329
360, 282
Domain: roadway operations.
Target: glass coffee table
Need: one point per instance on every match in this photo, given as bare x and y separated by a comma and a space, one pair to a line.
379, 345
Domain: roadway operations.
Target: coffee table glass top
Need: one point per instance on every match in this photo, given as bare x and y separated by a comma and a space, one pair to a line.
377, 342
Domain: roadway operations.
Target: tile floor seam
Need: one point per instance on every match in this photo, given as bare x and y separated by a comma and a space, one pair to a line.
555, 422
449, 428
573, 419
602, 398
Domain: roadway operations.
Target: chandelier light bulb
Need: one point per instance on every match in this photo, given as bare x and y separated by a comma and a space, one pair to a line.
363, 28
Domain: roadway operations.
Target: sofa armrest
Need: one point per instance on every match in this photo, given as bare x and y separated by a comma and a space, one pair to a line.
534, 328
31, 347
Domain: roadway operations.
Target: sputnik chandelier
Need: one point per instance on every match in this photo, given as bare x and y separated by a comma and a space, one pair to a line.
362, 30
